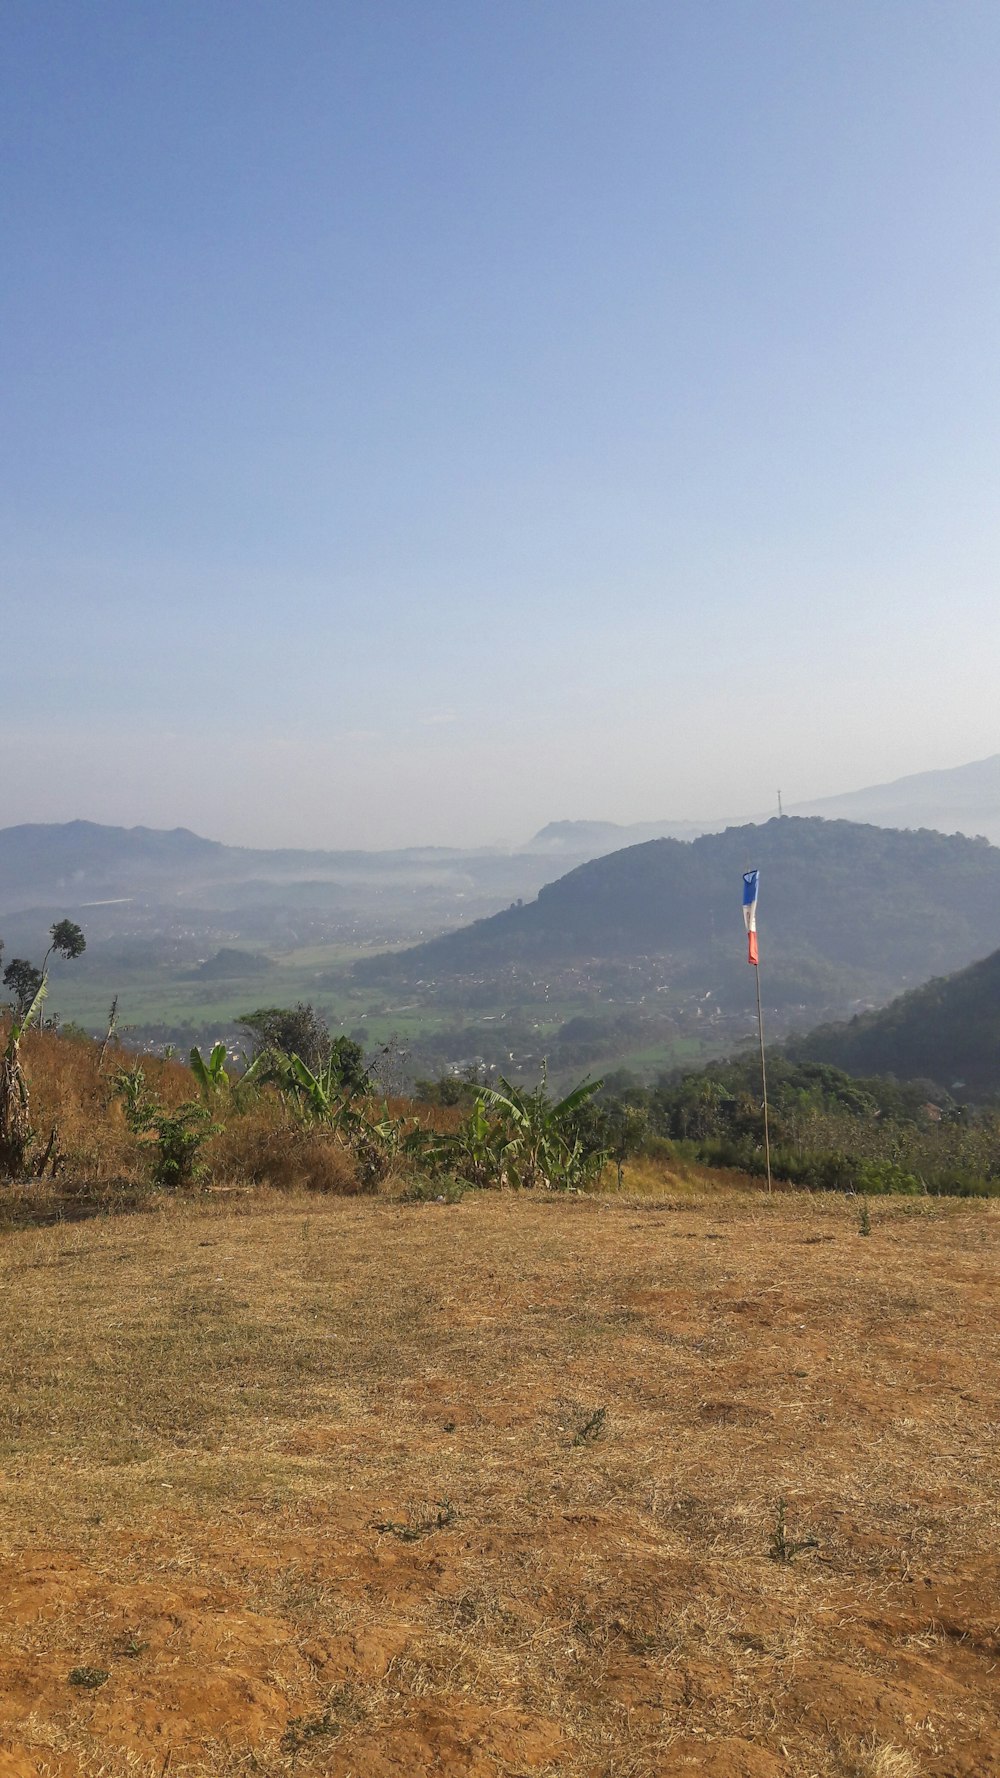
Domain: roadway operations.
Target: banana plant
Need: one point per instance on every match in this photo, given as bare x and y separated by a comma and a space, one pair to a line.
528, 1139
211, 1076
318, 1096
31, 986
473, 1152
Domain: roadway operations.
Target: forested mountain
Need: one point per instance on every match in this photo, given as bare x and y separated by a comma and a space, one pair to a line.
892, 906
947, 1031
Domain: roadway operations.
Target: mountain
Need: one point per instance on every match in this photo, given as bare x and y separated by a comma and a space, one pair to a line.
49, 862
963, 799
77, 862
74, 864
960, 799
594, 839
947, 1031
891, 905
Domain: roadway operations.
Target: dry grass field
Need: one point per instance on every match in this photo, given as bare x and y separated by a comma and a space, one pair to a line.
373, 1489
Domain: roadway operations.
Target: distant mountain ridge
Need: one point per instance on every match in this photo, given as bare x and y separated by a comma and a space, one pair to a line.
594, 839
63, 864
47, 863
958, 799
961, 799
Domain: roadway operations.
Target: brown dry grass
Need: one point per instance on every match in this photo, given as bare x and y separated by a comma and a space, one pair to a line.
99, 1161
308, 1479
72, 1095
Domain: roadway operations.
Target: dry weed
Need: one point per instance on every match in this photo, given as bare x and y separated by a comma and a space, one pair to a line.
257, 1149
883, 1760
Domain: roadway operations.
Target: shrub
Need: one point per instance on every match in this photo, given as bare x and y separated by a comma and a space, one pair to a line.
253, 1151
886, 1176
180, 1137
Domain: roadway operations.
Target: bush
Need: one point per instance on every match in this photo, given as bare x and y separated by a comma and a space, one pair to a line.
253, 1151
180, 1137
886, 1176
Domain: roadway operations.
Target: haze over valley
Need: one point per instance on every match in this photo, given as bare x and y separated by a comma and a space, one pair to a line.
571, 950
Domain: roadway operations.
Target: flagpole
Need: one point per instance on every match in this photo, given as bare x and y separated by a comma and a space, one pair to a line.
751, 882
763, 1077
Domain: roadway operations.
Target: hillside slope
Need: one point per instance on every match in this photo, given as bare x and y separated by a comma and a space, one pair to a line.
947, 1031
836, 891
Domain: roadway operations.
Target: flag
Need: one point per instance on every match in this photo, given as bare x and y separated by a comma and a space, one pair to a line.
750, 881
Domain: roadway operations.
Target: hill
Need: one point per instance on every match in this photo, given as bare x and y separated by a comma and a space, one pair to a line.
833, 892
947, 1031
46, 863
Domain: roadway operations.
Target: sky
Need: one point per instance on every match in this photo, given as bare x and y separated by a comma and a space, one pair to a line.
425, 419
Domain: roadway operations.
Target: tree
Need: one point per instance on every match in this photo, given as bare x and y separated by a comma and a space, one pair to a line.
290, 1031
24, 979
302, 1031
348, 1058
67, 941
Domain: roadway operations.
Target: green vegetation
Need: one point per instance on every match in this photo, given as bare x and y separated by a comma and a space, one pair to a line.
24, 979
511, 1137
633, 960
179, 1132
829, 1131
510, 1029
946, 1031
782, 1548
212, 1076
171, 1126
154, 1121
302, 1032
160, 1002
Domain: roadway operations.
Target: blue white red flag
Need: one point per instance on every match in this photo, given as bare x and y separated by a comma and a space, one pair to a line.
751, 878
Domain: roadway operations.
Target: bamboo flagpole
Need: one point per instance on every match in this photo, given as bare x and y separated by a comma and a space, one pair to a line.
751, 883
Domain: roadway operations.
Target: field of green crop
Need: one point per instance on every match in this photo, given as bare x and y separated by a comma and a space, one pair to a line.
158, 1003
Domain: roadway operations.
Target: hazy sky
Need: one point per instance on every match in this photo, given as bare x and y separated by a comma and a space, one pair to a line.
428, 419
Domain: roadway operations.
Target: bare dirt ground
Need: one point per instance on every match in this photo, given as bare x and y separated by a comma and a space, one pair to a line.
377, 1491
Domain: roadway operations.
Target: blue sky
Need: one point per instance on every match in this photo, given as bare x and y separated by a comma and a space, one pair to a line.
428, 420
